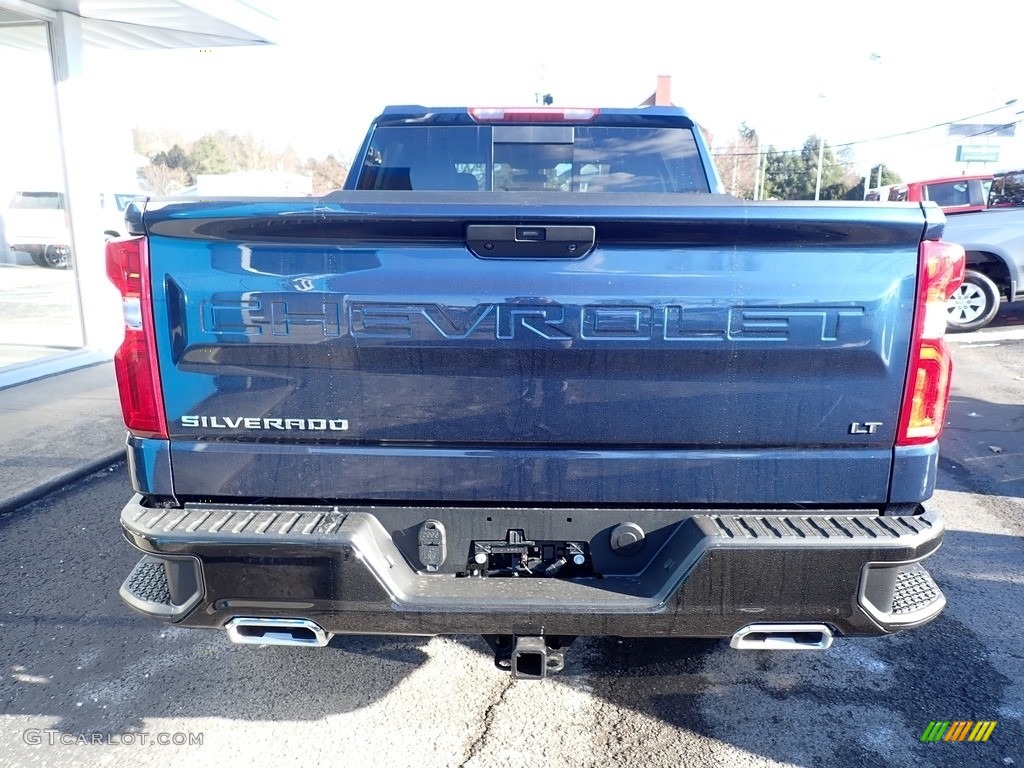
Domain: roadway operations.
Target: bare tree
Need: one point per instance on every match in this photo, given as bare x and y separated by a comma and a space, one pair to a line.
174, 166
736, 160
163, 180
328, 174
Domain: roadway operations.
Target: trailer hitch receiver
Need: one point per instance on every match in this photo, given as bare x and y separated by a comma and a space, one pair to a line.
529, 657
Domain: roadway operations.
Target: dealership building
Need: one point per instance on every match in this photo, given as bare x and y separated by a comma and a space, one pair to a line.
58, 180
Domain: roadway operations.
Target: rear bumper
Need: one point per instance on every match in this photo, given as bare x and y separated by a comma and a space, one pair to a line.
37, 244
700, 575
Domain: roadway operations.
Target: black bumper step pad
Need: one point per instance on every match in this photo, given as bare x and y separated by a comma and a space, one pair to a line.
267, 525
147, 582
164, 587
916, 591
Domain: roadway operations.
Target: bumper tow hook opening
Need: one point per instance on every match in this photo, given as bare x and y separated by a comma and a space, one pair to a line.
254, 631
783, 637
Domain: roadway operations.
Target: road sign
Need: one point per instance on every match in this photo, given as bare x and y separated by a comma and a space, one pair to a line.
977, 153
982, 129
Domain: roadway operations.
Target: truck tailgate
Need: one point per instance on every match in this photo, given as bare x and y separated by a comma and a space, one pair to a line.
697, 354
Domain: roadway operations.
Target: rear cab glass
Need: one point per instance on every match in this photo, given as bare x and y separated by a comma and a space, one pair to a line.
948, 193
533, 158
1007, 190
53, 201
122, 201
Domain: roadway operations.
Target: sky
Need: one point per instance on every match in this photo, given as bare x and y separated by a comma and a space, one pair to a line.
851, 71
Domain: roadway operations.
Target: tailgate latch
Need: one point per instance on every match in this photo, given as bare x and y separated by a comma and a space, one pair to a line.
539, 241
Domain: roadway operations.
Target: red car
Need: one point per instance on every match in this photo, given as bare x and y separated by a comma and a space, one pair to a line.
955, 194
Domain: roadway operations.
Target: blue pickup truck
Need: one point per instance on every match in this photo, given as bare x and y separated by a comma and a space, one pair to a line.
532, 376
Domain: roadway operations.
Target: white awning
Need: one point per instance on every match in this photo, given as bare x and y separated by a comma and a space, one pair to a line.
144, 24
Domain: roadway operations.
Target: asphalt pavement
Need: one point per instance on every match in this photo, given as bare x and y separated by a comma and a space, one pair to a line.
56, 430
88, 682
81, 668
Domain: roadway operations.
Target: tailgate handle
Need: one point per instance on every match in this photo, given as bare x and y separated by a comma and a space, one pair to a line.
529, 241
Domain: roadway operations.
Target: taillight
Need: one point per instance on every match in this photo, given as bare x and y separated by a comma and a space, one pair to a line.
533, 114
135, 363
940, 272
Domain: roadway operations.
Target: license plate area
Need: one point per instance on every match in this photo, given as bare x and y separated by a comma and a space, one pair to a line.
518, 556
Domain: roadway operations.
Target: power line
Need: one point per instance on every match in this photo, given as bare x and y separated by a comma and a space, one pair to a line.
890, 136
957, 139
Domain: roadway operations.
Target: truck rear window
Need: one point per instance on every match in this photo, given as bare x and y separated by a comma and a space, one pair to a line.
53, 201
1007, 190
949, 193
534, 158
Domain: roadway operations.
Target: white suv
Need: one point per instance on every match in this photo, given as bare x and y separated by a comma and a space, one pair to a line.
37, 223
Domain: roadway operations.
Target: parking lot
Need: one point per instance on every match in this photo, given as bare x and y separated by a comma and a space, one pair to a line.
88, 682
570, 296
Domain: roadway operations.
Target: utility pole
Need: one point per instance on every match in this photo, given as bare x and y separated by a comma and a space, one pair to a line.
821, 158
879, 175
735, 160
821, 147
542, 97
757, 172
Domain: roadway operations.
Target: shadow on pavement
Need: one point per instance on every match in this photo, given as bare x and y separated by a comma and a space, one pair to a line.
864, 702
1009, 315
983, 446
74, 652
